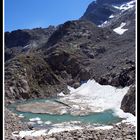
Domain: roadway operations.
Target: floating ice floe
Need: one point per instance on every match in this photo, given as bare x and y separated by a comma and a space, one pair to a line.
119, 30
48, 122
21, 116
31, 123
39, 122
35, 119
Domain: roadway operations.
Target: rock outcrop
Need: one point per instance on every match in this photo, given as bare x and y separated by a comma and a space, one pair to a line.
128, 102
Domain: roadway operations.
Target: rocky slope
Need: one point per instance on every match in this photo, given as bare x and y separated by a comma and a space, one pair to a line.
118, 132
75, 52
12, 123
22, 41
29, 76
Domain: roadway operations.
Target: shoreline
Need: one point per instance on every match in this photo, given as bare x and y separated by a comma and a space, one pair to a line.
118, 132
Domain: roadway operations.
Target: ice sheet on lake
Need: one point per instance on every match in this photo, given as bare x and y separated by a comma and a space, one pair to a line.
99, 98
21, 116
129, 118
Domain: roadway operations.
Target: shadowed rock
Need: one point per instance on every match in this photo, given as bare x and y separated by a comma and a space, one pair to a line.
128, 102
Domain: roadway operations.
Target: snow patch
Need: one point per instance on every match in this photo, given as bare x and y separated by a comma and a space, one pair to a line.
66, 126
63, 127
125, 6
71, 88
111, 16
27, 46
33, 133
119, 30
103, 127
104, 23
61, 94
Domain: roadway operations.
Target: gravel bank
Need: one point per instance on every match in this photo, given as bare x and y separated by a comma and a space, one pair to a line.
12, 123
120, 132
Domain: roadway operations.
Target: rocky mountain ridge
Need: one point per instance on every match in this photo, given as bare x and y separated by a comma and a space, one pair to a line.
22, 41
102, 11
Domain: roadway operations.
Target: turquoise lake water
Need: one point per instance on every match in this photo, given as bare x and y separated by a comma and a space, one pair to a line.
104, 118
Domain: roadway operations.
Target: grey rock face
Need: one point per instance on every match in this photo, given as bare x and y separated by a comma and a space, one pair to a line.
128, 102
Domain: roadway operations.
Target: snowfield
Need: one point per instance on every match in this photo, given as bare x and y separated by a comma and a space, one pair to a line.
119, 30
98, 98
125, 6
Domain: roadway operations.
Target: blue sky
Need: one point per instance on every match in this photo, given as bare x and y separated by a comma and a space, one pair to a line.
27, 14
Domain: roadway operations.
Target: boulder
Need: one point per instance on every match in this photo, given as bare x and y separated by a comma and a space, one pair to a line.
128, 102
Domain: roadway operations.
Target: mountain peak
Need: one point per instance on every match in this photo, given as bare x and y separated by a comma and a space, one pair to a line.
100, 11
